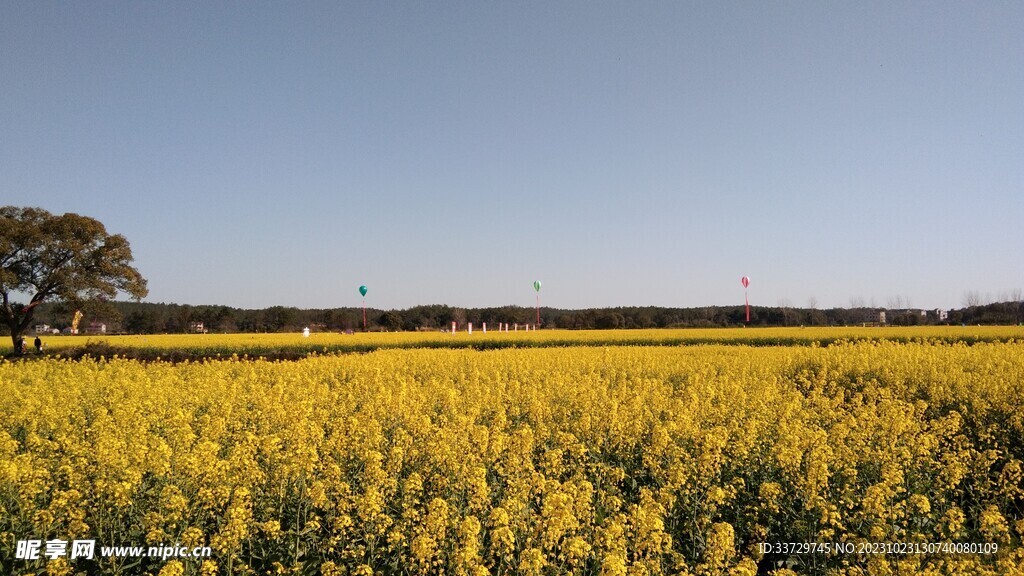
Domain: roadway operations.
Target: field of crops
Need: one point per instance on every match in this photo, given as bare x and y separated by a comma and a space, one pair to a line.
586, 459
294, 344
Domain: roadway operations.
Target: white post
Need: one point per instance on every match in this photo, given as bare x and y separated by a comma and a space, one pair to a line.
485, 327
516, 329
453, 328
470, 327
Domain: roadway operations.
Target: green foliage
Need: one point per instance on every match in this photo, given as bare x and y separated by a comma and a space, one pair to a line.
68, 258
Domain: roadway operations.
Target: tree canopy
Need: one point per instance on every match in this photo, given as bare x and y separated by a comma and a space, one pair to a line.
68, 258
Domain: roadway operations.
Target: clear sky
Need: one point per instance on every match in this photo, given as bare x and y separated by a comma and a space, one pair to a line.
624, 153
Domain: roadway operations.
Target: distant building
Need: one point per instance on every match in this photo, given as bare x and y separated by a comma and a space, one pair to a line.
197, 327
881, 317
43, 329
96, 328
942, 314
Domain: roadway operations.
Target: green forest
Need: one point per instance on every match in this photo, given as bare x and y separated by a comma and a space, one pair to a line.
156, 318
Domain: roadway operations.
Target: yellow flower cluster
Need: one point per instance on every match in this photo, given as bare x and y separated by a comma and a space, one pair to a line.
583, 460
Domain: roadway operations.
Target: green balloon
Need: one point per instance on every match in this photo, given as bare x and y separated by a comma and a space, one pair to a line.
362, 290
536, 285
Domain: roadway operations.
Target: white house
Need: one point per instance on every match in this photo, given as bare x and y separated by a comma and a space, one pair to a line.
96, 328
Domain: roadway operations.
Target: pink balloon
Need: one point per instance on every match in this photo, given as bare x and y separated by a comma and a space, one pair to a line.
745, 281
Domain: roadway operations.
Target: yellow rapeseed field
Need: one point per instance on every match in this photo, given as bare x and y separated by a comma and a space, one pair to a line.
328, 342
614, 460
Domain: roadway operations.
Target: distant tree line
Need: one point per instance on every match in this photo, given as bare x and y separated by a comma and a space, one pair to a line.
154, 318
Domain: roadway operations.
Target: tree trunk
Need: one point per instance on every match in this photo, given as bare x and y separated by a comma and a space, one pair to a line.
15, 337
17, 327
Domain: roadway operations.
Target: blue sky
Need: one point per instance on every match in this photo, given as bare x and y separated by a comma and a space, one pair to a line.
624, 153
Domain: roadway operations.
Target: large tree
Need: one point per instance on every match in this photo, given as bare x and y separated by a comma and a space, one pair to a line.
67, 258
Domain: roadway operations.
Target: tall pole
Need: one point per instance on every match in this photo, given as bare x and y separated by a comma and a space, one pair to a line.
364, 315
747, 300
746, 282
536, 287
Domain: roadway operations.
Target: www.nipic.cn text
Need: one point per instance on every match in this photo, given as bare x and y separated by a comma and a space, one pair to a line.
86, 549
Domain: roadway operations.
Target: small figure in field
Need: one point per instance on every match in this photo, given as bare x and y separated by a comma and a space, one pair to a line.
39, 345
20, 348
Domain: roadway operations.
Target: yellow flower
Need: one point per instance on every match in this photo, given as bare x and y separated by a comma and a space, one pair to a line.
58, 567
172, 568
531, 562
994, 525
613, 565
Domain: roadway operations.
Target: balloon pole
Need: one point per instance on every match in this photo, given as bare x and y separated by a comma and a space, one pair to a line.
747, 300
364, 315
536, 287
746, 282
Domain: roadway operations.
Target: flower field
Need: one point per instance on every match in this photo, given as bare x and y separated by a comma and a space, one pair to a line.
291, 345
587, 459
